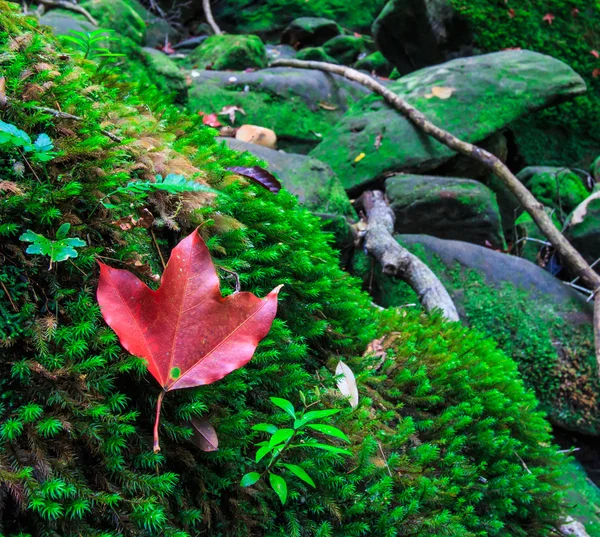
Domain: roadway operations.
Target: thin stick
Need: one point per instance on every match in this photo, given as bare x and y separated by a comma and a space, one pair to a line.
237, 277
384, 459
162, 259
159, 401
572, 258
9, 297
209, 17
71, 7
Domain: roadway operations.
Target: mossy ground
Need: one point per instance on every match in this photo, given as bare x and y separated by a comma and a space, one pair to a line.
568, 134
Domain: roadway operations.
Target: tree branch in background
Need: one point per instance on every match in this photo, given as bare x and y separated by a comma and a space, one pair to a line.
570, 256
63, 4
209, 17
397, 261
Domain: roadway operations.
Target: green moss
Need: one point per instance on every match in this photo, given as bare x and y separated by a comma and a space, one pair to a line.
583, 497
118, 15
567, 134
317, 54
230, 52
562, 191
375, 62
345, 48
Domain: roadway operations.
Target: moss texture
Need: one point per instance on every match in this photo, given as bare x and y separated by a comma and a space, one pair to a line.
120, 16
567, 135
437, 446
230, 52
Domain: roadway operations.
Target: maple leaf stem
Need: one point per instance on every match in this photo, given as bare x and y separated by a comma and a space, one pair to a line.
157, 422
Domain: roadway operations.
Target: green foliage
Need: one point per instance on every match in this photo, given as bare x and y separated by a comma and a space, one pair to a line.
281, 442
567, 134
93, 44
445, 440
13, 137
59, 250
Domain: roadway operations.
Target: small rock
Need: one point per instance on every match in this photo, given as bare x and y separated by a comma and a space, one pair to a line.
230, 52
257, 135
309, 31
345, 49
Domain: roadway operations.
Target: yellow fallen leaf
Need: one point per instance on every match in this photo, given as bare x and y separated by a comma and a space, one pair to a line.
360, 157
441, 92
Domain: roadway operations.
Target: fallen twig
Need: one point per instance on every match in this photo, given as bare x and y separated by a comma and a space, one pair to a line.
572, 258
396, 260
71, 7
209, 17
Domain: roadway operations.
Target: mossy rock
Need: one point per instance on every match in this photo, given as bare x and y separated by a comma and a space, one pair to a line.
583, 227
317, 54
301, 106
558, 188
120, 16
488, 92
444, 428
64, 22
584, 496
544, 325
595, 169
310, 32
531, 243
374, 63
345, 48
168, 75
445, 207
230, 52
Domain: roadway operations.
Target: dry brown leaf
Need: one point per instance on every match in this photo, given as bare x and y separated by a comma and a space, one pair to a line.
257, 135
327, 106
20, 42
441, 92
9, 186
205, 436
3, 100
230, 111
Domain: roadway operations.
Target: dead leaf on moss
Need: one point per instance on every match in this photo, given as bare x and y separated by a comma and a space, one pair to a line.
327, 106
441, 92
9, 186
230, 111
3, 100
205, 436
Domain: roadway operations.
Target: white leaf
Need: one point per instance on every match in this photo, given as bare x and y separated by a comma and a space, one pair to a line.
347, 383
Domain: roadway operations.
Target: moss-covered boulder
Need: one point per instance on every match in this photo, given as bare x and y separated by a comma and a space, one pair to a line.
375, 63
317, 54
300, 105
310, 32
480, 95
543, 324
445, 207
413, 34
584, 496
558, 188
532, 244
229, 52
270, 17
583, 227
64, 22
166, 74
345, 49
120, 16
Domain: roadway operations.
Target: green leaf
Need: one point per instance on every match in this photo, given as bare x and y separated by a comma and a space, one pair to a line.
314, 415
328, 429
262, 452
265, 428
279, 486
284, 404
325, 447
62, 231
58, 250
525, 218
43, 144
281, 436
249, 479
299, 472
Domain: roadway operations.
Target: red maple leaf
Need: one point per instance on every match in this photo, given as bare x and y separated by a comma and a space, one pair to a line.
187, 332
210, 119
511, 13
596, 72
548, 17
595, 53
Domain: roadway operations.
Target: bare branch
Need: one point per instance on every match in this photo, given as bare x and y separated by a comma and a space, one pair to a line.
63, 4
209, 17
572, 258
397, 261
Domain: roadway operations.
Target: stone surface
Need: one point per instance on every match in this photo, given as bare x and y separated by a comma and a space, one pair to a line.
345, 49
166, 74
230, 52
309, 32
311, 181
63, 22
289, 101
558, 188
190, 43
445, 207
413, 34
583, 228
120, 16
375, 63
280, 52
543, 324
489, 92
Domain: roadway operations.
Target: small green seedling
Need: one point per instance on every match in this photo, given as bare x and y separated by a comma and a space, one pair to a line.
91, 44
59, 250
12, 136
296, 436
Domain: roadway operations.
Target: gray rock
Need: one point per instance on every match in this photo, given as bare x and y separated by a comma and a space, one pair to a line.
166, 74
345, 49
413, 34
488, 92
309, 31
445, 207
280, 52
191, 43
63, 22
583, 228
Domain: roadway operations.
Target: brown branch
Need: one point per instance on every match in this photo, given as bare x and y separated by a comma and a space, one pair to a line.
209, 17
71, 7
571, 257
397, 261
